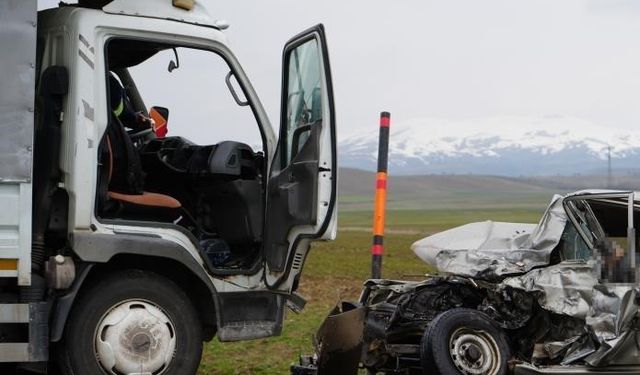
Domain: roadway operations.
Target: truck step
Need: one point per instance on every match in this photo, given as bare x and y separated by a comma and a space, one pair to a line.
14, 352
33, 344
14, 313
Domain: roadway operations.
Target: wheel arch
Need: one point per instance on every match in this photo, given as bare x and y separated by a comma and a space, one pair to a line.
203, 297
168, 260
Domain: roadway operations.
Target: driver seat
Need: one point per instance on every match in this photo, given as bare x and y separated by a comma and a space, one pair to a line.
124, 180
121, 186
124, 164
145, 198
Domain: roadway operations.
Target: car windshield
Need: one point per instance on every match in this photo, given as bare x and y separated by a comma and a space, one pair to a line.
585, 220
572, 245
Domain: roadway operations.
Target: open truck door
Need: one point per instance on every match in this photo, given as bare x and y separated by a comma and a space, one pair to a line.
302, 185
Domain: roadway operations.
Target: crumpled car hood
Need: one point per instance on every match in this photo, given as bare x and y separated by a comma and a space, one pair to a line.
493, 249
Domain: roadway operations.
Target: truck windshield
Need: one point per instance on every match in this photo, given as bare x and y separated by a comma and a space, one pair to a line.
201, 106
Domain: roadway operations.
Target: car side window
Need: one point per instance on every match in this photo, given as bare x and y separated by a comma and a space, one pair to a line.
604, 222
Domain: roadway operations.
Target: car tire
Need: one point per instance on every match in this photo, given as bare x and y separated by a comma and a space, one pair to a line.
464, 341
132, 318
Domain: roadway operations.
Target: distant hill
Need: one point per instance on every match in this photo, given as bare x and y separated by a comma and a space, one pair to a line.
356, 189
506, 146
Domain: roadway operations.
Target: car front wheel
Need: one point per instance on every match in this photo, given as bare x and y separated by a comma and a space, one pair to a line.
464, 341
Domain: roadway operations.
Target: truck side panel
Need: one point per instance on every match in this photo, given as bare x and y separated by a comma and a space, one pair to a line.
18, 40
17, 85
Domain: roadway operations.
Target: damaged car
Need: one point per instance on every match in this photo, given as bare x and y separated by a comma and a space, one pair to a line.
557, 297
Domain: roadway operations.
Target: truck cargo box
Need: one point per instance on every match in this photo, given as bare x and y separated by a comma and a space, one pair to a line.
18, 21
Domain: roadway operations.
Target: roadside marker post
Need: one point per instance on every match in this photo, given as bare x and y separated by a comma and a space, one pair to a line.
377, 249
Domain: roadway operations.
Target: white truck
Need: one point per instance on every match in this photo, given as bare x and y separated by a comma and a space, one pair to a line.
122, 250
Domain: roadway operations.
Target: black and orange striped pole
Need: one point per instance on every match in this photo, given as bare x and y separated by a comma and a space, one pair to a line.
377, 248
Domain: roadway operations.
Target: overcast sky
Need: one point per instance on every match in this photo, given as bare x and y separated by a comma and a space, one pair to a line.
453, 59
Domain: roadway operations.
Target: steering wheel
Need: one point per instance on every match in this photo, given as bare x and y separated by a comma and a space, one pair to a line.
135, 136
165, 156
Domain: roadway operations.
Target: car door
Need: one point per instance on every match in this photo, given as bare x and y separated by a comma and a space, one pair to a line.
301, 189
607, 220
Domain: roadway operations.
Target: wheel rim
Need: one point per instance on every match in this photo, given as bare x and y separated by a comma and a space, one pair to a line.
135, 337
474, 352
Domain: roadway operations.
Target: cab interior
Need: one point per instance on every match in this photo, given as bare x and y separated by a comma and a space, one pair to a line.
603, 223
214, 193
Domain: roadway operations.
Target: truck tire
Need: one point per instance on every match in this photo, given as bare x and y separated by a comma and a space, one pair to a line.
464, 341
132, 322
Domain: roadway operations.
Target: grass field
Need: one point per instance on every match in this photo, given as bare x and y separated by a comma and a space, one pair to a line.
336, 270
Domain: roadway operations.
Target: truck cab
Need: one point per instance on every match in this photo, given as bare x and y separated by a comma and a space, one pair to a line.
133, 243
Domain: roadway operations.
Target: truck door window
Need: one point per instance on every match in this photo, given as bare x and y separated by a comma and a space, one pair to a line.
304, 102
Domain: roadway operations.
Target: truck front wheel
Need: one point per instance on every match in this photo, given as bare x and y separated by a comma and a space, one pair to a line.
132, 322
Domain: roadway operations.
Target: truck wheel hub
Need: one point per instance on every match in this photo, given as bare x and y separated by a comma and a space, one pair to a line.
474, 352
135, 337
141, 343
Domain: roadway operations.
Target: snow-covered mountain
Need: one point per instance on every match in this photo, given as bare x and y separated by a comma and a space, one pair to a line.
507, 145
